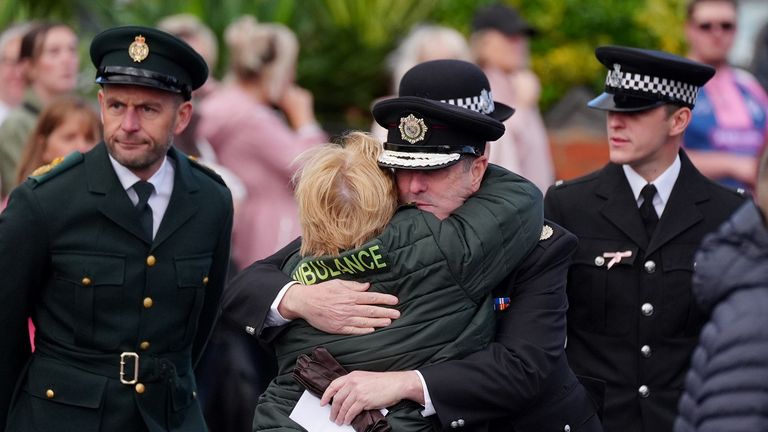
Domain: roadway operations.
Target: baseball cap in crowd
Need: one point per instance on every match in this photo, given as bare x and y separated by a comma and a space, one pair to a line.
501, 18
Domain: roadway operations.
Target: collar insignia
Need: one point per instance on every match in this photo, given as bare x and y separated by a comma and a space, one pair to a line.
412, 129
546, 232
138, 50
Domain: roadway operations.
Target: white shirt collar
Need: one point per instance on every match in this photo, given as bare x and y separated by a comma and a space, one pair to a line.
664, 184
162, 180
128, 178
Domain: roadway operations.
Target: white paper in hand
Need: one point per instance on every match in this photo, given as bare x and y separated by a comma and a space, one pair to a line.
315, 418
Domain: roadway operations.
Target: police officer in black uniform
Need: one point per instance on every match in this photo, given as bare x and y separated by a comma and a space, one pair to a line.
632, 321
118, 255
521, 382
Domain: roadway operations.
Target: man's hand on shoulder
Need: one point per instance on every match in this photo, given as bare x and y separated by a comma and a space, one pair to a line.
359, 390
339, 307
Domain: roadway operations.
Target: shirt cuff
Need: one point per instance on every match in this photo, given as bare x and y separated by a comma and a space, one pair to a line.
429, 409
274, 319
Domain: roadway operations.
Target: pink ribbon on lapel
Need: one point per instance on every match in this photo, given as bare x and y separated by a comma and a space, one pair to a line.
616, 257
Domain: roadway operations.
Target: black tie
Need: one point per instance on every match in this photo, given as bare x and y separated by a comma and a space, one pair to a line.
144, 190
647, 211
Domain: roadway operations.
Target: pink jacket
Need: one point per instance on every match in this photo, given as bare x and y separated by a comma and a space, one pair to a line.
253, 141
524, 148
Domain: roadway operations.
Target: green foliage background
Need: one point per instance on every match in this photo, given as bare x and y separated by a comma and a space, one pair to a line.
345, 42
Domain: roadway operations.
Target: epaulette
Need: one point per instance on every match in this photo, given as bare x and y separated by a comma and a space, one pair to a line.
205, 169
739, 191
56, 167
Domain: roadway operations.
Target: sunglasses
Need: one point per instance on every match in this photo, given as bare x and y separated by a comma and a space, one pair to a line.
726, 26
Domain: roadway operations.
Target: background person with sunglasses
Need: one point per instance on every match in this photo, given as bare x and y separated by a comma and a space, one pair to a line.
729, 126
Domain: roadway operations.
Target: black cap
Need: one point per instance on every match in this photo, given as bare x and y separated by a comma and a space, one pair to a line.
641, 79
501, 18
444, 109
147, 57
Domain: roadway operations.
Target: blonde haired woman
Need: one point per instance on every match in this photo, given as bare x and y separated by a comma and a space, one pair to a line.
353, 229
344, 198
255, 141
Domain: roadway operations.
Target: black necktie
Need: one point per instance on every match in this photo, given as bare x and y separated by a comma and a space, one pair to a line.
647, 211
144, 190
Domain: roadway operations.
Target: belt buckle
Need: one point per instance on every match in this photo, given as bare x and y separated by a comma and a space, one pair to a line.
135, 357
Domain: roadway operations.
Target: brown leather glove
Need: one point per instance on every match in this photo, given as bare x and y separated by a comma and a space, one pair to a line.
316, 371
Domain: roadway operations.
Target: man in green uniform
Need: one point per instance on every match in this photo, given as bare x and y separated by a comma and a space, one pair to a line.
119, 256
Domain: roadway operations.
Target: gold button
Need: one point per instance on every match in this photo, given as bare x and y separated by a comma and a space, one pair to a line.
144, 345
49, 394
140, 388
148, 302
86, 281
205, 280
151, 260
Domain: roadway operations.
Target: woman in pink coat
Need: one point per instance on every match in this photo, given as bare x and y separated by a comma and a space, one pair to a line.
257, 142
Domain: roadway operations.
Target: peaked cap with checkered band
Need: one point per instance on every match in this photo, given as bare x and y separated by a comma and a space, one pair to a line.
640, 79
444, 109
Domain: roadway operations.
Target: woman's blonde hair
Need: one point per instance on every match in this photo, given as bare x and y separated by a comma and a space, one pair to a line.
53, 116
345, 199
266, 52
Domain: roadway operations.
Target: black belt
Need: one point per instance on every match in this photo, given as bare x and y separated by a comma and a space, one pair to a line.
128, 367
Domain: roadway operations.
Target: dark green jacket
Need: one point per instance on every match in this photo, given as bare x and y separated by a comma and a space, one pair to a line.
73, 257
442, 273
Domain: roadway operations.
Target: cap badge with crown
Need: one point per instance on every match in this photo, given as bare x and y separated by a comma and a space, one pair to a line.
138, 50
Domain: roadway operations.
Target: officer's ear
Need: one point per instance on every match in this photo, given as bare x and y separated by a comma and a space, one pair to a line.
183, 115
679, 120
101, 104
477, 171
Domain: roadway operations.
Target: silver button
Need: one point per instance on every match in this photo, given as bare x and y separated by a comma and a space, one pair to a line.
461, 422
645, 350
647, 309
650, 266
567, 428
644, 391
599, 261
454, 424
694, 265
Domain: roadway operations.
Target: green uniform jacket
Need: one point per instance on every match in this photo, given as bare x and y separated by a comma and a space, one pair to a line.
73, 257
442, 273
